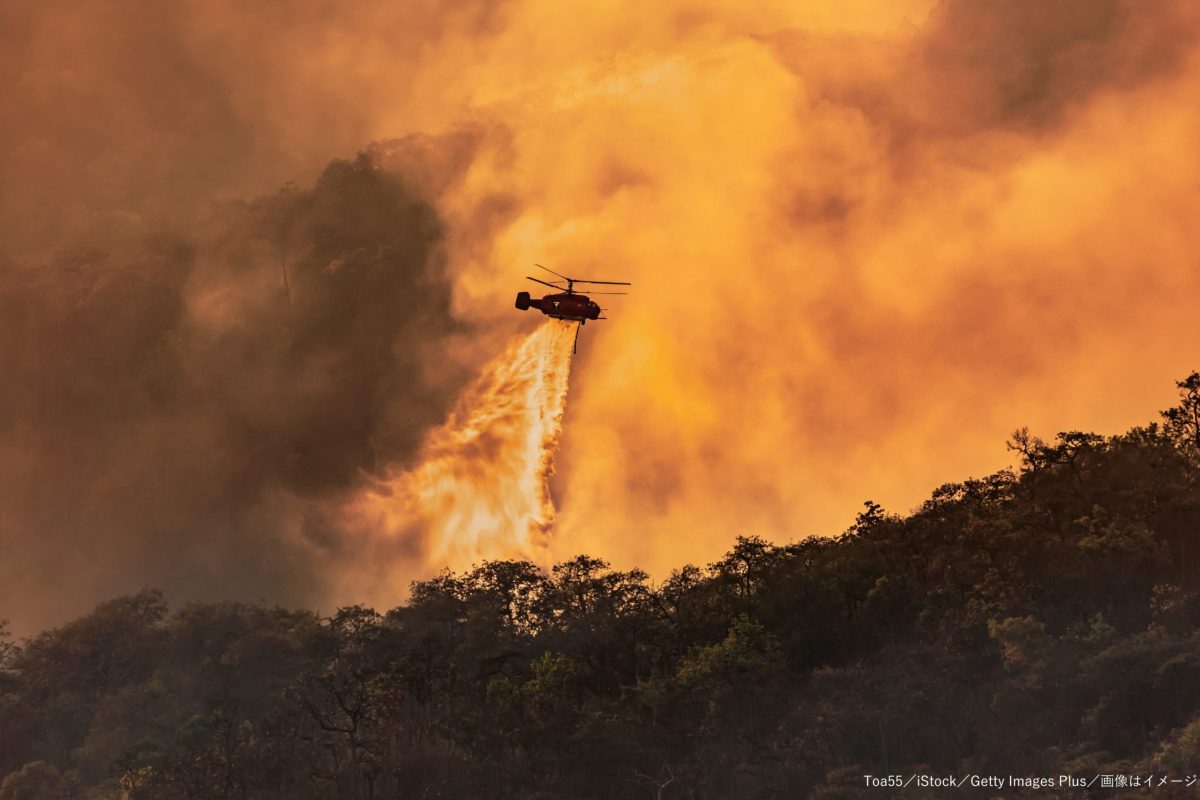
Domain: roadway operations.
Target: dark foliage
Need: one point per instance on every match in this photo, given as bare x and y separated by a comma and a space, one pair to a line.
1031, 623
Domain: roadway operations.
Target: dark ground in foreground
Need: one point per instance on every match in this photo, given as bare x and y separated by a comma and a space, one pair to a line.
1035, 623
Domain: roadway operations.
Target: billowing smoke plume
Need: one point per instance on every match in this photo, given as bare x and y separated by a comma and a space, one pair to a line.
187, 413
868, 240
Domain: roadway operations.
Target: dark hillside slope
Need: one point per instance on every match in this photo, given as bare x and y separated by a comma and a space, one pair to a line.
1042, 622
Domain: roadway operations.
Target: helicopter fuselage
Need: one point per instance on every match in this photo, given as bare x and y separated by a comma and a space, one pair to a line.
566, 305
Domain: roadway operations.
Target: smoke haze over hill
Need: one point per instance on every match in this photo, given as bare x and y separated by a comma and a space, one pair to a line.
867, 243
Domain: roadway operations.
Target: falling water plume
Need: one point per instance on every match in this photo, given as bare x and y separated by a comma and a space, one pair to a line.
481, 487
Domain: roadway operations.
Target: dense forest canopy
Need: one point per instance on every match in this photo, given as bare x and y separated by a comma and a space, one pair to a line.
1033, 622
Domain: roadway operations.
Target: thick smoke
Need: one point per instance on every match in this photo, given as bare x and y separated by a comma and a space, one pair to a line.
124, 117
187, 412
868, 240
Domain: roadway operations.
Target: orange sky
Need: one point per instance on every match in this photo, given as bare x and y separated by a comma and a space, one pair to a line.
868, 240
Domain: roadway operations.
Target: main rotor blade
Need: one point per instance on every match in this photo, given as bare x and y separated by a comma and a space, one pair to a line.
552, 272
543, 283
591, 293
581, 280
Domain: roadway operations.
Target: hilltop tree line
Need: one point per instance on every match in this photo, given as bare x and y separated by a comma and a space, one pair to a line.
1039, 621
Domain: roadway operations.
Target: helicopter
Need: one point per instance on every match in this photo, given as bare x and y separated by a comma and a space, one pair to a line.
569, 304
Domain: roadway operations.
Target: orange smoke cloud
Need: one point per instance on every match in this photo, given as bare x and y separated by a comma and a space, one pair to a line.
866, 246
868, 240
